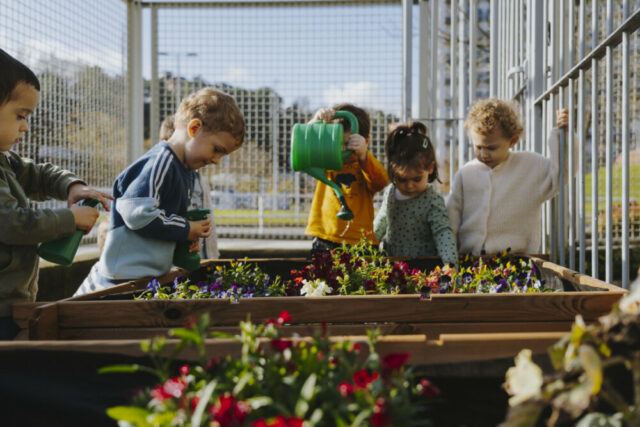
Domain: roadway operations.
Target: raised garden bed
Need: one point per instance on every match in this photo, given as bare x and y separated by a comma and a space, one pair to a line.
112, 313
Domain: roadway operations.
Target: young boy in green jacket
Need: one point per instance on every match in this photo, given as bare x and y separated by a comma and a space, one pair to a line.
23, 227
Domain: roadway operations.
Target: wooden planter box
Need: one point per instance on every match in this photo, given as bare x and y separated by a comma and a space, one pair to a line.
112, 314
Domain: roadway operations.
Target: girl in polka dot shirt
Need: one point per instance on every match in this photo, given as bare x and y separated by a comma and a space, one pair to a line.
413, 220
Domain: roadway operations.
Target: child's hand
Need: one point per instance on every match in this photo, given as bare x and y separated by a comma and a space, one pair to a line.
358, 144
195, 246
199, 229
84, 216
562, 117
79, 191
324, 114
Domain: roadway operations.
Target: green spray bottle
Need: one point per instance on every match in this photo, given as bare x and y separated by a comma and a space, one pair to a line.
62, 251
181, 256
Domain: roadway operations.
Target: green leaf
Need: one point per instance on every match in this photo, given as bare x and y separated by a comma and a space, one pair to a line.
524, 415
196, 419
132, 414
125, 369
244, 379
597, 419
259, 401
340, 422
187, 335
592, 365
308, 388
362, 416
316, 416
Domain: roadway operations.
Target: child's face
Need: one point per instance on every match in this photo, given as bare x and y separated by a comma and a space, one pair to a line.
492, 149
14, 114
208, 147
411, 182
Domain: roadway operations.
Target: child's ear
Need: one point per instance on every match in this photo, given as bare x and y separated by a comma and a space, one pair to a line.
513, 141
193, 127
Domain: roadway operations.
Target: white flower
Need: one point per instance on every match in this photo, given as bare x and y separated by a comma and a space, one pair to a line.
315, 288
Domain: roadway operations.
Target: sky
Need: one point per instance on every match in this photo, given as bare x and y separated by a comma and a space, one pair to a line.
315, 55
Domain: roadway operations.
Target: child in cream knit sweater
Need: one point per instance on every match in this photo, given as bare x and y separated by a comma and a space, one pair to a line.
495, 199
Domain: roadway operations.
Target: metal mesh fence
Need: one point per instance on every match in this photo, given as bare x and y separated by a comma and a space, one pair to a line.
281, 61
77, 50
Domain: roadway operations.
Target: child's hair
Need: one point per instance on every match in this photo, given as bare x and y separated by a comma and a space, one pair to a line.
13, 72
409, 147
364, 124
217, 111
167, 127
488, 114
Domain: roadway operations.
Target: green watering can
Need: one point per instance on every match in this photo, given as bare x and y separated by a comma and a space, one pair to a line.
63, 250
318, 147
181, 256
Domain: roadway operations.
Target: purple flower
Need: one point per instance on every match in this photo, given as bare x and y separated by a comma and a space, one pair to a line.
503, 286
153, 285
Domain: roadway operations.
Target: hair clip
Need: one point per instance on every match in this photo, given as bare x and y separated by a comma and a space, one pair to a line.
408, 133
425, 143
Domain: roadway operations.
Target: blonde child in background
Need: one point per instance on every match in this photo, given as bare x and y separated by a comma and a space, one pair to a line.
23, 227
361, 177
496, 198
200, 198
413, 220
151, 193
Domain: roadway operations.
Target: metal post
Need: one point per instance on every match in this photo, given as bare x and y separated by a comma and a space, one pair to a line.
135, 95
407, 6
609, 146
434, 75
570, 141
462, 86
581, 142
536, 74
154, 112
625, 152
594, 145
453, 86
275, 128
473, 41
424, 100
493, 46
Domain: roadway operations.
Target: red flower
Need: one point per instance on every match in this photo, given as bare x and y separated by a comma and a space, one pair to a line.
212, 363
221, 411
240, 411
280, 345
362, 378
284, 317
260, 423
193, 320
159, 394
194, 402
184, 370
394, 360
380, 416
298, 279
345, 388
357, 347
294, 422
428, 389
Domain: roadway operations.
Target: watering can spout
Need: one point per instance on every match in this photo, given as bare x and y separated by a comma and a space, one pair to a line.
318, 147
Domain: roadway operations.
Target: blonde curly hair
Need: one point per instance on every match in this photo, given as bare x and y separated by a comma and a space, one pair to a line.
488, 114
217, 111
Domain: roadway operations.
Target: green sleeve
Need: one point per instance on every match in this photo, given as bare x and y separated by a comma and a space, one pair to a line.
27, 226
42, 181
441, 230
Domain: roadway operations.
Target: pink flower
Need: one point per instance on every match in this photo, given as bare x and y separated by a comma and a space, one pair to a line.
345, 388
184, 370
427, 389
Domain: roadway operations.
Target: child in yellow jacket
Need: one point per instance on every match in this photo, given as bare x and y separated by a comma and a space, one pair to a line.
361, 177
